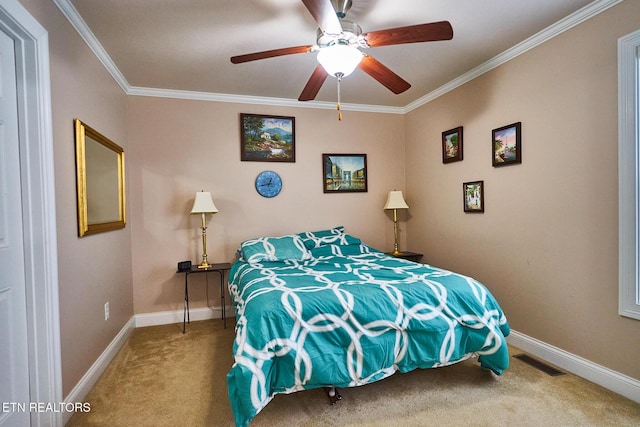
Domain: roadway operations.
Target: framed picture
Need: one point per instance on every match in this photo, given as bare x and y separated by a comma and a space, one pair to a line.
506, 145
267, 138
344, 173
473, 196
452, 145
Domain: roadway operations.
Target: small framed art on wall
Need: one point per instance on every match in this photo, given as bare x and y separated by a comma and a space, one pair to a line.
452, 145
507, 145
473, 196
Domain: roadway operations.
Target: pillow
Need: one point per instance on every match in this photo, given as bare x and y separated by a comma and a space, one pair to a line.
342, 250
333, 236
290, 247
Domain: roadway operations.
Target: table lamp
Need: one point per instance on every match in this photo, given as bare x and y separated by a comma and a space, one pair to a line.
203, 205
395, 201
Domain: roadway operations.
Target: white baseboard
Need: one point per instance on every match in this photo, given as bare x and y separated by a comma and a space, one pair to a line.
168, 317
605, 377
89, 379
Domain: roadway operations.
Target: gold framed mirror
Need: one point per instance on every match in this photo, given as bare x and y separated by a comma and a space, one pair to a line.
100, 180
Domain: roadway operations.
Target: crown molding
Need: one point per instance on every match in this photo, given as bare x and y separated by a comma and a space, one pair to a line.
587, 12
261, 100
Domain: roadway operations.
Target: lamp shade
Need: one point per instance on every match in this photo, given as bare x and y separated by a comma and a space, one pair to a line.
203, 203
339, 59
395, 200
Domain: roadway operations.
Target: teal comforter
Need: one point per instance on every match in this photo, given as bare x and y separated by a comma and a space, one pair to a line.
351, 315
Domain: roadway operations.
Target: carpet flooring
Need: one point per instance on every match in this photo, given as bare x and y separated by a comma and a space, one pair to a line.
162, 377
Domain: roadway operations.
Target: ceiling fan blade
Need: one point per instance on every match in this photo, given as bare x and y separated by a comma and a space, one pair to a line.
324, 14
314, 84
382, 74
270, 54
412, 34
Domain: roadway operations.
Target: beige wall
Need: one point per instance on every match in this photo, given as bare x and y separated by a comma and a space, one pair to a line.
179, 147
96, 269
547, 244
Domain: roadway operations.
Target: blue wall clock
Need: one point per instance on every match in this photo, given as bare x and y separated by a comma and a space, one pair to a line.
268, 184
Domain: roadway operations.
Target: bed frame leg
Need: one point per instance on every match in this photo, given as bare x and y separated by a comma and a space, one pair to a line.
333, 394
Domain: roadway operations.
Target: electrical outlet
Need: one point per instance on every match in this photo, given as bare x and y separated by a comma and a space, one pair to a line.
106, 311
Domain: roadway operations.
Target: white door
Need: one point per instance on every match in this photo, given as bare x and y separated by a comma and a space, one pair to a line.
14, 364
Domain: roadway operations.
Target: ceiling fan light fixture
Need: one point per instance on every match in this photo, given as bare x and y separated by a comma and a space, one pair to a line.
339, 59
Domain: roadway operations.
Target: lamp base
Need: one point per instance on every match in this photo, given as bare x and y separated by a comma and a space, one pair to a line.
204, 265
396, 252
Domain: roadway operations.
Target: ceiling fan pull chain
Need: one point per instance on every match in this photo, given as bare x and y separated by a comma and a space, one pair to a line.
339, 76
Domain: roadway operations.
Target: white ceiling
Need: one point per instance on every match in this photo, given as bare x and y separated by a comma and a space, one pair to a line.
186, 45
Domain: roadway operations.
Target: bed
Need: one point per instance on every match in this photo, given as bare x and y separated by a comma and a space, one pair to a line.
322, 309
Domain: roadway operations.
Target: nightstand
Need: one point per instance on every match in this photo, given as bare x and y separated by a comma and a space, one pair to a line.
411, 256
218, 268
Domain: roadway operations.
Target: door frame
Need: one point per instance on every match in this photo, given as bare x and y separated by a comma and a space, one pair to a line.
38, 206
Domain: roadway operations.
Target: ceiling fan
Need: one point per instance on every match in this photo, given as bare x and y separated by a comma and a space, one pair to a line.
338, 44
